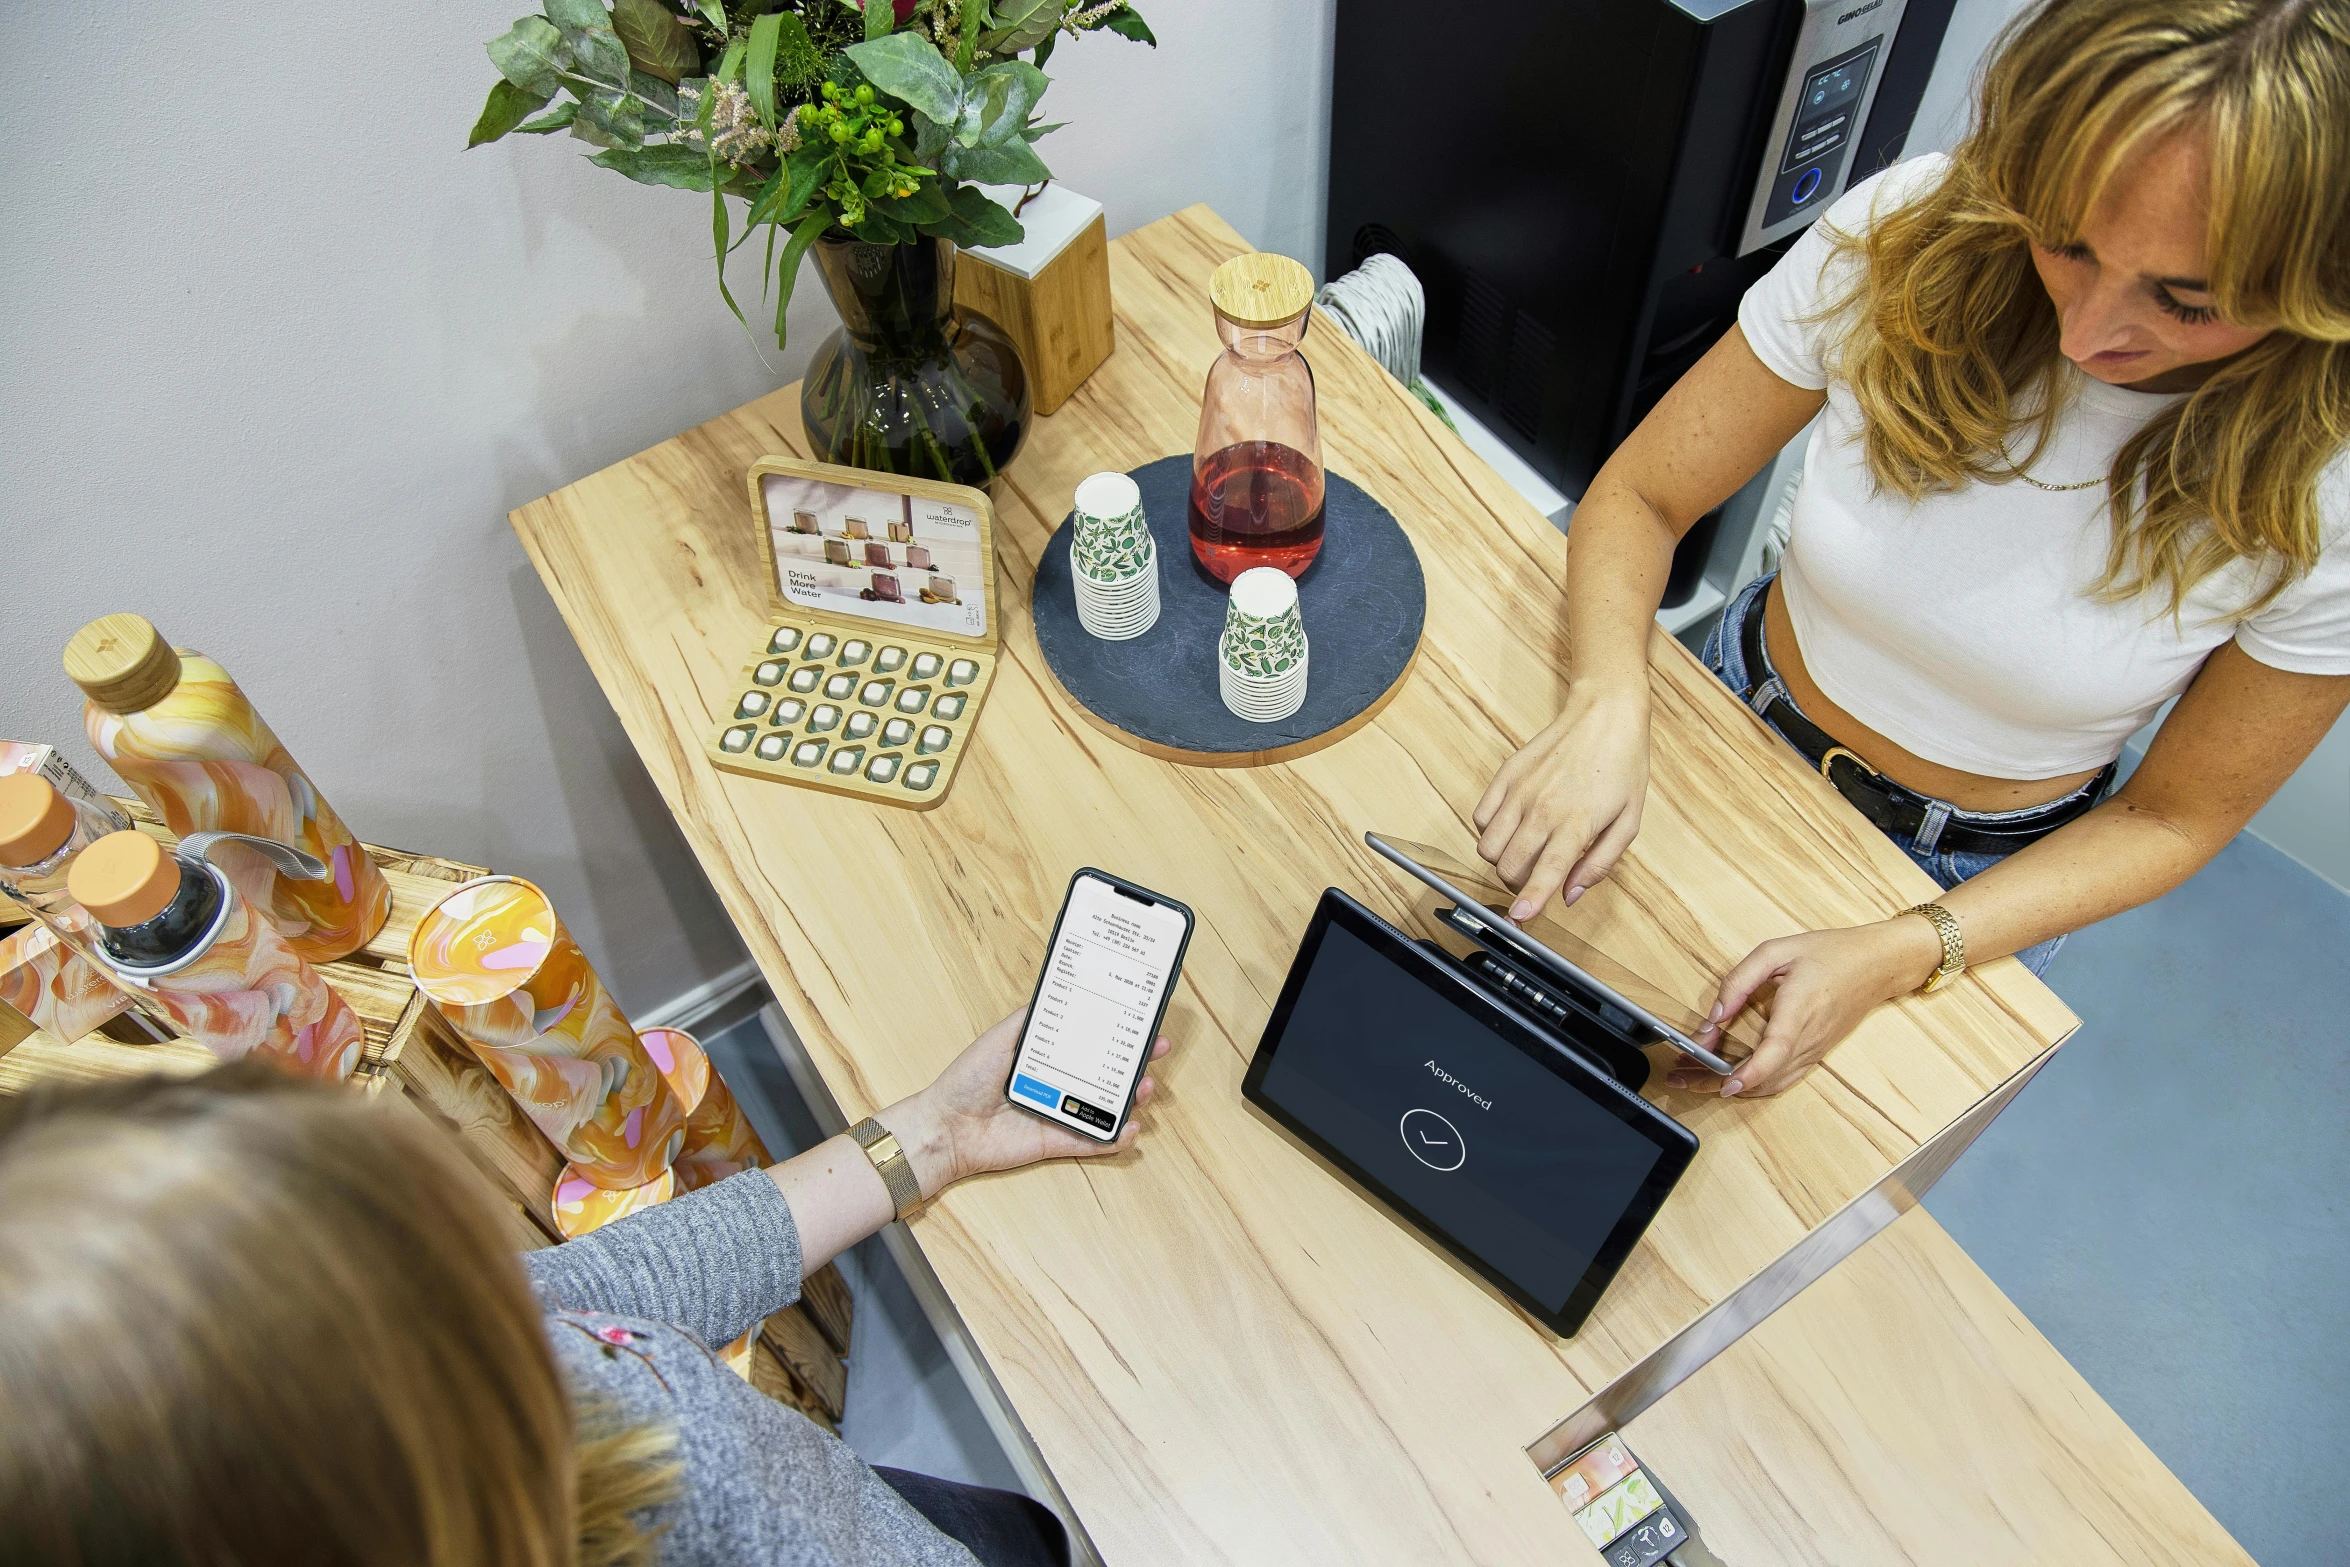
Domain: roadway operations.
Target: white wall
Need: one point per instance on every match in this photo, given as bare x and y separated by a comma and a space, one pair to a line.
1949, 96
277, 355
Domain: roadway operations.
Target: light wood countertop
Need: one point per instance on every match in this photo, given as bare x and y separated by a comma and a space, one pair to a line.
1218, 1350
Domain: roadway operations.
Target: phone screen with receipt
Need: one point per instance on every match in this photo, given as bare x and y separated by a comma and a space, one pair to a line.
1115, 952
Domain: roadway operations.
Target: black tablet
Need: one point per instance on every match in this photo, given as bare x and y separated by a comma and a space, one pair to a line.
1462, 1115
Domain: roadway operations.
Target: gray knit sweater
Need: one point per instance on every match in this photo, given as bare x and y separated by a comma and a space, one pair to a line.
630, 1311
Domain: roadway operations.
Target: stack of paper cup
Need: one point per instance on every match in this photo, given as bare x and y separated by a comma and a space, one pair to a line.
1261, 662
1111, 560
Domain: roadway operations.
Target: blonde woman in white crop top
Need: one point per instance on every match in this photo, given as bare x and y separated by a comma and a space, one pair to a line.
2083, 391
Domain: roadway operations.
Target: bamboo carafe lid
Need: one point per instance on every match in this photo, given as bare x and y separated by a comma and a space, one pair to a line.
124, 879
122, 663
1261, 289
35, 820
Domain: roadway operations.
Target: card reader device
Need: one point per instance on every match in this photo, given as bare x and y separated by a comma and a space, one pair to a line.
1490, 1110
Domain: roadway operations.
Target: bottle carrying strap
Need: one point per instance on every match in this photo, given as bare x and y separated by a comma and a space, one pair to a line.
289, 860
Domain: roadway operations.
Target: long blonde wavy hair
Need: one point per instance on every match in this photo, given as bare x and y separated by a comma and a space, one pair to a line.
247, 1319
1951, 341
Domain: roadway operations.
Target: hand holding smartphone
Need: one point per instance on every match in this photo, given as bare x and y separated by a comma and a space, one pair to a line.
1109, 972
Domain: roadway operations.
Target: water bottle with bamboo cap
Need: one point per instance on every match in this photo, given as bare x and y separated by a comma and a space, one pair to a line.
173, 724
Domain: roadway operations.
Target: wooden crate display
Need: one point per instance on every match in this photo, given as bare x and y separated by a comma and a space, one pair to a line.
412, 1058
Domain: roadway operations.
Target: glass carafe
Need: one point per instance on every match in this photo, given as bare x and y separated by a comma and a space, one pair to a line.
1256, 470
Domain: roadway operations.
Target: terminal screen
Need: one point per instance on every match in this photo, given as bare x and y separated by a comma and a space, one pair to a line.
1089, 1029
1486, 1144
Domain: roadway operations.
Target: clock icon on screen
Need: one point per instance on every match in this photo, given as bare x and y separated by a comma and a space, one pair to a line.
1433, 1140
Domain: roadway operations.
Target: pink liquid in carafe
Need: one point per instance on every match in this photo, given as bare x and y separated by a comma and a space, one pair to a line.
1256, 503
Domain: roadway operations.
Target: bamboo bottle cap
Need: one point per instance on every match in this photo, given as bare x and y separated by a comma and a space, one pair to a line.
124, 879
1261, 289
122, 663
35, 820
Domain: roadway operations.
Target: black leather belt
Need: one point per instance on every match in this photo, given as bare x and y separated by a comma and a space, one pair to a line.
1900, 813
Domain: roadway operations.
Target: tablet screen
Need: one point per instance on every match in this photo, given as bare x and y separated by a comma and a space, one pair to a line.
1526, 1164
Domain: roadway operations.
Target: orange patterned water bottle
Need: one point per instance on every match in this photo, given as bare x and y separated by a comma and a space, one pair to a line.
41, 830
501, 968
51, 971
1256, 468
173, 927
176, 728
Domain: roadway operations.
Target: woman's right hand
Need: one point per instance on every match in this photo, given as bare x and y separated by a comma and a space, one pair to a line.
1563, 810
965, 1124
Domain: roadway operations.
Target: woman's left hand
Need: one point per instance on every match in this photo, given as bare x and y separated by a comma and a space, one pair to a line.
1826, 981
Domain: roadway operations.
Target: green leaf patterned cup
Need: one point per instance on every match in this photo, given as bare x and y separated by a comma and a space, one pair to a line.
1110, 540
1264, 636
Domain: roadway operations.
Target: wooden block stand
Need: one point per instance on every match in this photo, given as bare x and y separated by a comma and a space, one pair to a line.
413, 1059
1059, 320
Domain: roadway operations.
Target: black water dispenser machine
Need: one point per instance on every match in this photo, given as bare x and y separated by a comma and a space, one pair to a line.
1588, 186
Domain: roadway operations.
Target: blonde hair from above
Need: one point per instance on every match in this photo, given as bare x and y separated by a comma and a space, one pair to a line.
1951, 342
250, 1319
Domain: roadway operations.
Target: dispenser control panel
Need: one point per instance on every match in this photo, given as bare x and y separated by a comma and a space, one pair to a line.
1823, 107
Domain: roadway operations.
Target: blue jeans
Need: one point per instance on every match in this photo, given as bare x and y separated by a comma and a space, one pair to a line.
1727, 660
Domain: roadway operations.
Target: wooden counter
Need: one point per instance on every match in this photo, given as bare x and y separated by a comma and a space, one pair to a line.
1901, 1410
1216, 1350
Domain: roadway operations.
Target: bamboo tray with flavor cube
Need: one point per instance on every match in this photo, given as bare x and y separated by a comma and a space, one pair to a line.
881, 642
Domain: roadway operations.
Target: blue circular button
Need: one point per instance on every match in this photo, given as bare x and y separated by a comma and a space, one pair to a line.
1807, 185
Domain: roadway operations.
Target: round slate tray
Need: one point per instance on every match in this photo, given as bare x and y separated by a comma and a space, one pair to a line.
1363, 600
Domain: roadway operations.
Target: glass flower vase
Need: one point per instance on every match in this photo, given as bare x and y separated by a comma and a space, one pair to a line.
910, 384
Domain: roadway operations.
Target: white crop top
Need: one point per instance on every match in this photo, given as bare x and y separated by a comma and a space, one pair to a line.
1963, 627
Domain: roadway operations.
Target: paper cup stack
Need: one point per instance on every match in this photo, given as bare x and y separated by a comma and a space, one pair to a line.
1112, 562
1261, 662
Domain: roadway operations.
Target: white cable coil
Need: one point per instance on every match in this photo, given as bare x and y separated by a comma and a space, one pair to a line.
1380, 305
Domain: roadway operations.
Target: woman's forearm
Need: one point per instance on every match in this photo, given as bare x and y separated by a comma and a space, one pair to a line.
2118, 856
1619, 560
837, 1197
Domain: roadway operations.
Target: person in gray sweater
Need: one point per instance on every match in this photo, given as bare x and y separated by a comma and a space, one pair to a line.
252, 1319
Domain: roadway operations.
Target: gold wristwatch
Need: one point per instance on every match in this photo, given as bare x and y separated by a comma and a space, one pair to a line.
889, 1162
1953, 946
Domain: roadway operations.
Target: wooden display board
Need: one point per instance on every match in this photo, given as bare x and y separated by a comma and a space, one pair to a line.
413, 1059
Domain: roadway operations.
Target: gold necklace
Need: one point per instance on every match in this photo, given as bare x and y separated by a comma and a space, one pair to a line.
2053, 489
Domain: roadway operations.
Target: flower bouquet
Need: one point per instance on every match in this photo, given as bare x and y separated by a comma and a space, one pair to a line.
873, 121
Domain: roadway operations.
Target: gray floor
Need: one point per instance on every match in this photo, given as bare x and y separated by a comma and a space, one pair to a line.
2165, 1201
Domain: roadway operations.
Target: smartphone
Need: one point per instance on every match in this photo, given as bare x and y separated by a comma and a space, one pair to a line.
1108, 974
1474, 920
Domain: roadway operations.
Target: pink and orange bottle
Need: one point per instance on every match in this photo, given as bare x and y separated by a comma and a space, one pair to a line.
176, 728
174, 928
1256, 468
497, 962
41, 830
51, 971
